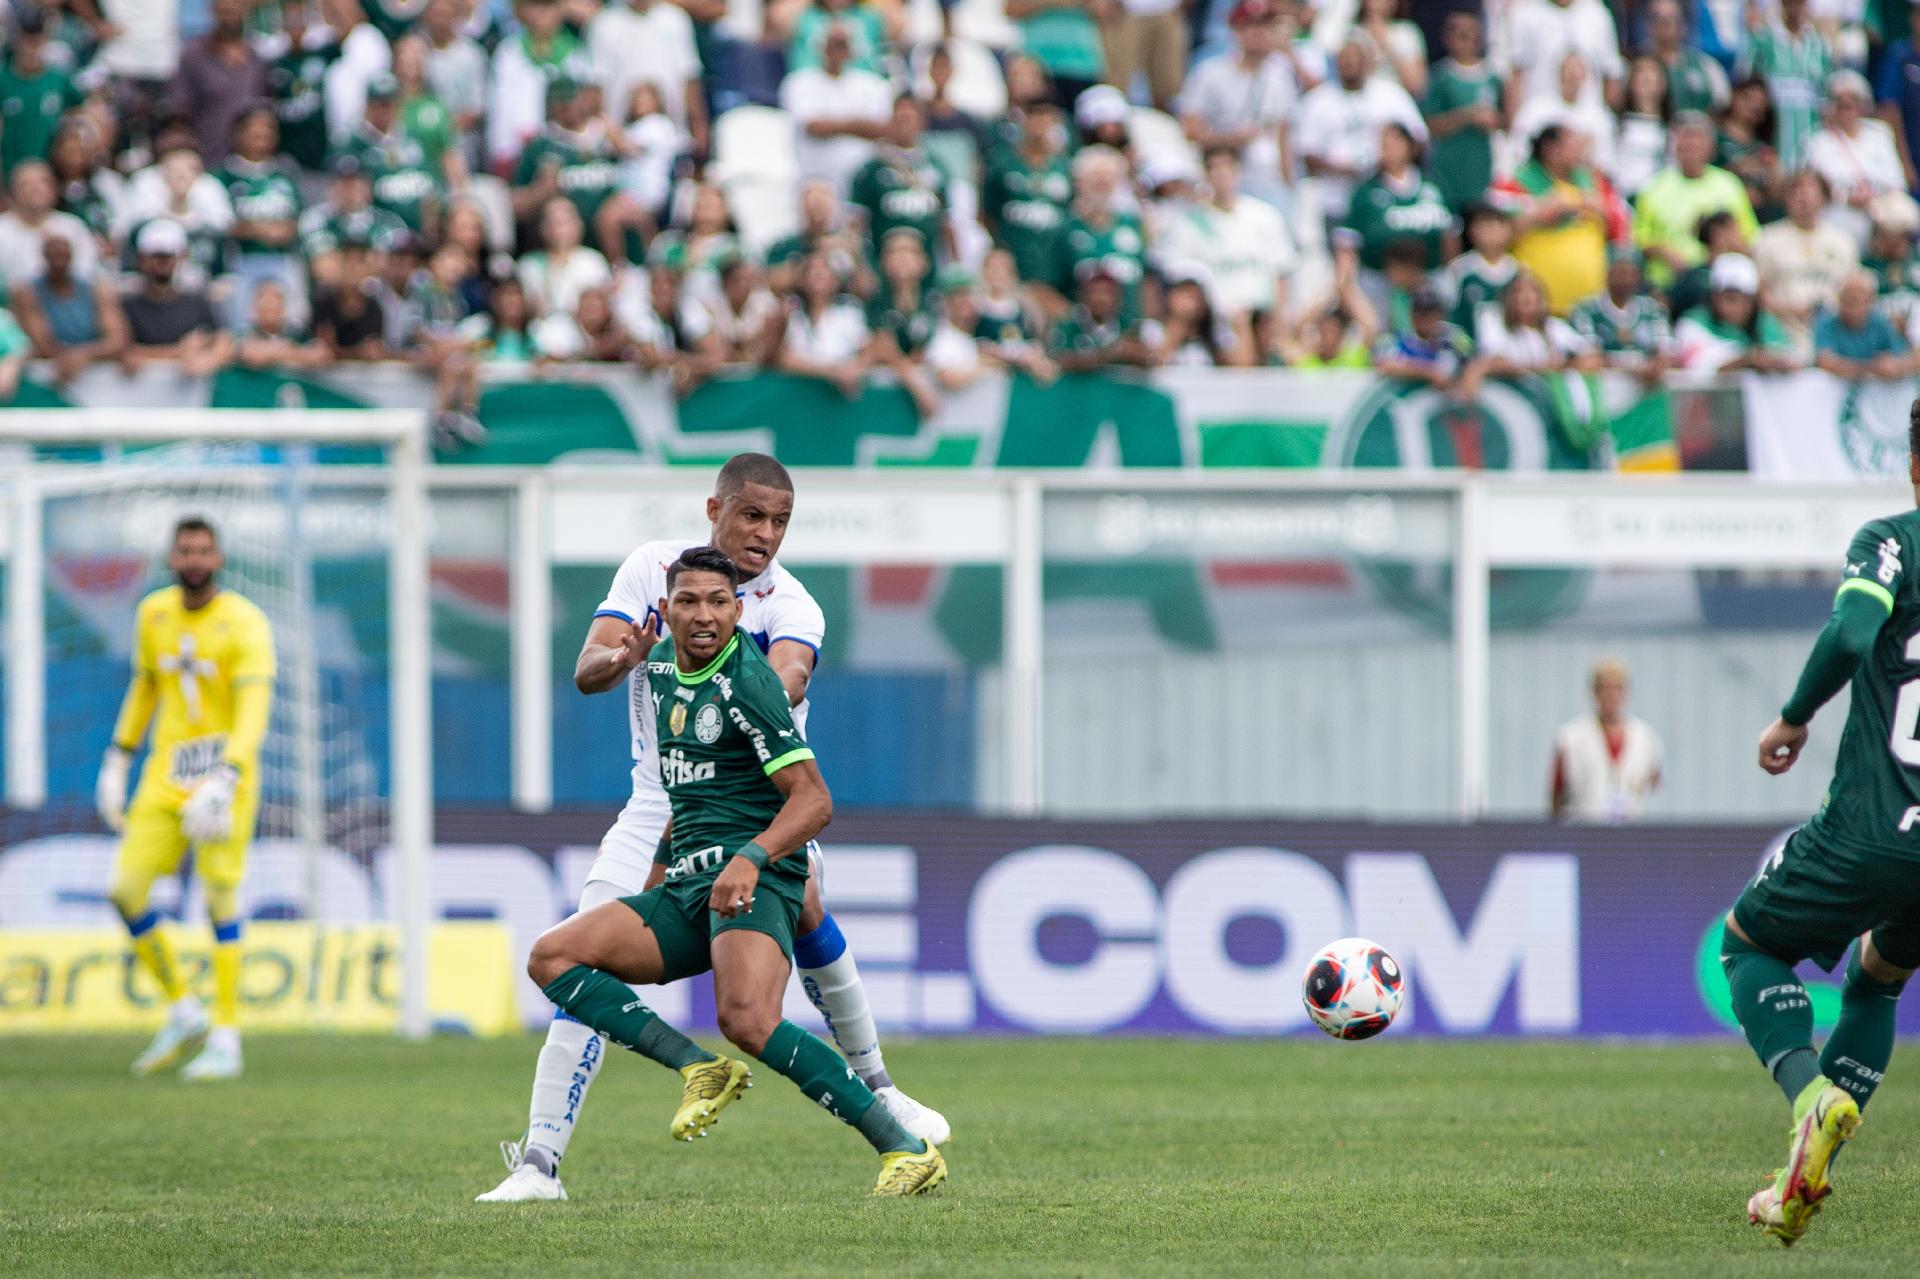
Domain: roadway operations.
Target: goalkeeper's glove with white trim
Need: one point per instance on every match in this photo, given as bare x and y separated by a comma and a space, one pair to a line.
207, 816
110, 790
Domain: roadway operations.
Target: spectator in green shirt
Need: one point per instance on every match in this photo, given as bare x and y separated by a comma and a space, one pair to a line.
1064, 37
1671, 204
871, 31
1465, 107
33, 95
1695, 82
1096, 334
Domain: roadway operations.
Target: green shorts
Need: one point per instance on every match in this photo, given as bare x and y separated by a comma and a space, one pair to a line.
684, 927
1817, 895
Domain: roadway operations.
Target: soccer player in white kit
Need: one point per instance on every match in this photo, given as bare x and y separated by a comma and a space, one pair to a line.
749, 510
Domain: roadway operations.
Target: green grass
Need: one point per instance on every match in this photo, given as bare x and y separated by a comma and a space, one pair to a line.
1399, 1157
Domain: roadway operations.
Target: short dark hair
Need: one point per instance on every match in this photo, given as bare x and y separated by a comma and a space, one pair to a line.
195, 524
743, 469
1709, 226
1913, 429
704, 559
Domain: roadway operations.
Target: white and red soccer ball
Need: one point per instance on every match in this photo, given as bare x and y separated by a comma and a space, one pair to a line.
1353, 988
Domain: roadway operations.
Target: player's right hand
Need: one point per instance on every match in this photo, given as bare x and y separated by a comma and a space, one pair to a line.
637, 641
110, 790
1780, 746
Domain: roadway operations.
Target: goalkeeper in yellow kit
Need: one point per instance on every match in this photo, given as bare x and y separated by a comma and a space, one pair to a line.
203, 660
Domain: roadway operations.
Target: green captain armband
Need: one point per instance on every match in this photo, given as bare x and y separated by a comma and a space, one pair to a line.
753, 853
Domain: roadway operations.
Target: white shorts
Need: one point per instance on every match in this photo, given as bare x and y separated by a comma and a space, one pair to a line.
627, 849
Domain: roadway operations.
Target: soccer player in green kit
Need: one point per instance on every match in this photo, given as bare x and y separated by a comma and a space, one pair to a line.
1853, 871
746, 798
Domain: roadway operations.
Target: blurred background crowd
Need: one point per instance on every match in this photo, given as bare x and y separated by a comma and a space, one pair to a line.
1443, 190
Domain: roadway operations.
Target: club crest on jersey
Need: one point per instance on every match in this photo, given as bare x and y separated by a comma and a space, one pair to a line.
706, 724
677, 718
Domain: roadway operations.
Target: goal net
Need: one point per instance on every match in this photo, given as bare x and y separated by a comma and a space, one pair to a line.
319, 517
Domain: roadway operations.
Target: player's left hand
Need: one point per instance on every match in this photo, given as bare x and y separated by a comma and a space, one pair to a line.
207, 816
1780, 746
733, 888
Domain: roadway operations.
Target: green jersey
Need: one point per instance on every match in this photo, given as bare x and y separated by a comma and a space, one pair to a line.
1078, 333
1385, 211
1638, 328
324, 228
900, 189
1028, 205
1477, 286
1898, 281
724, 731
393, 18
1462, 162
296, 82
1003, 326
911, 325
588, 168
426, 121
1696, 82
1874, 799
30, 111
259, 193
1120, 244
402, 183
1795, 69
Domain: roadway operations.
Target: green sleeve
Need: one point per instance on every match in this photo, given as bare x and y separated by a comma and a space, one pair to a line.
759, 710
1770, 334
529, 166
1874, 572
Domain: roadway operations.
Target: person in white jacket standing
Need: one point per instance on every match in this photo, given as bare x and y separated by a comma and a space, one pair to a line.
1606, 764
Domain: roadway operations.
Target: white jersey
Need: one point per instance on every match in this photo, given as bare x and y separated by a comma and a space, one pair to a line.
776, 608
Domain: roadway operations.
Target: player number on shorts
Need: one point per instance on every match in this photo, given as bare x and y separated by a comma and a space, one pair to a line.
1905, 740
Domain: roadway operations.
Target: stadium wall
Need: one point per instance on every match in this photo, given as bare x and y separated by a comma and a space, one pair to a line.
966, 924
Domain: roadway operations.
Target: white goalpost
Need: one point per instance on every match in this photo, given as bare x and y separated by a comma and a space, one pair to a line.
71, 525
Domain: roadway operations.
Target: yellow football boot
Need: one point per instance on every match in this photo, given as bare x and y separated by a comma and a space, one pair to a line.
1826, 1121
904, 1173
710, 1086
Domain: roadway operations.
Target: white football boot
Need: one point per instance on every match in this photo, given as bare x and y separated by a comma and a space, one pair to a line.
220, 1059
185, 1031
924, 1122
524, 1181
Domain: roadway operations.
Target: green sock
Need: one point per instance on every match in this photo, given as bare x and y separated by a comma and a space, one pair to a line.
1861, 1045
1774, 1011
824, 1076
607, 1004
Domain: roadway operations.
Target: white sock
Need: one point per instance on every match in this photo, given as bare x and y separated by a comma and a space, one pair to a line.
832, 981
224, 1037
568, 1062
187, 1008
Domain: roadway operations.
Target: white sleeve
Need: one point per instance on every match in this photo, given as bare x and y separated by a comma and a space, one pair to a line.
637, 587
793, 97
684, 45
792, 614
363, 55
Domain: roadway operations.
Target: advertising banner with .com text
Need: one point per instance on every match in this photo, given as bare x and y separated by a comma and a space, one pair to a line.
963, 924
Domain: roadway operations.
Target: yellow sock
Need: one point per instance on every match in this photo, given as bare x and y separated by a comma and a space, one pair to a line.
155, 953
226, 973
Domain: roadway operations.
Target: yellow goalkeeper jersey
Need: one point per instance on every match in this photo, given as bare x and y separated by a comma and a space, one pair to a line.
208, 673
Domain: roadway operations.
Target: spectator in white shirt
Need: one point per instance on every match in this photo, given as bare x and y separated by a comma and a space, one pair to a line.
649, 41
1803, 258
1544, 32
1337, 130
1243, 248
1855, 154
1605, 765
1573, 107
825, 335
457, 70
1243, 99
839, 110
564, 267
25, 227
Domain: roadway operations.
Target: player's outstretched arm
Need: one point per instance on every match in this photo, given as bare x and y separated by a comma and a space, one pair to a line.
1844, 643
792, 661
614, 647
806, 812
129, 730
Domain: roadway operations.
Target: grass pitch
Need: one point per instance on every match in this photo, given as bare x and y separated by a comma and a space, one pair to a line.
346, 1155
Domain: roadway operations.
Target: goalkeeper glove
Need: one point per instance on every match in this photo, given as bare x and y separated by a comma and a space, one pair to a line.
207, 816
110, 791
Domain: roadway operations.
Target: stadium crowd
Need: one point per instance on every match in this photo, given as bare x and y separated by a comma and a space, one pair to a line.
1443, 191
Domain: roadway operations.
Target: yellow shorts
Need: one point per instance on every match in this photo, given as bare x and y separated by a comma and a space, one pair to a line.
154, 845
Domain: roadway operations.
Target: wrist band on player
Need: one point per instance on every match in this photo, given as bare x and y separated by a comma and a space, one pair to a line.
753, 853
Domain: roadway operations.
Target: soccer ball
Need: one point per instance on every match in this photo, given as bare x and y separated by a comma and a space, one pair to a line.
1353, 989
